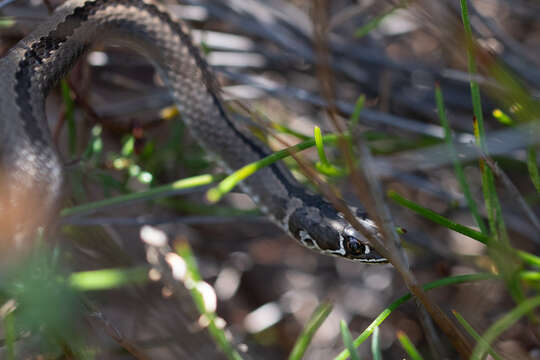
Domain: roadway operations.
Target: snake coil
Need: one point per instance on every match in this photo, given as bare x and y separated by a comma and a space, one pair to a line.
30, 170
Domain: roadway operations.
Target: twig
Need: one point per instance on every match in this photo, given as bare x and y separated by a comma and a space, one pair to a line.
505, 39
113, 332
157, 220
501, 142
129, 199
512, 189
399, 260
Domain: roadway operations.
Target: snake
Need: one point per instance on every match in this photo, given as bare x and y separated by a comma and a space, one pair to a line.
32, 173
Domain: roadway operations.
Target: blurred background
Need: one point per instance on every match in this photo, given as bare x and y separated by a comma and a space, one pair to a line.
118, 135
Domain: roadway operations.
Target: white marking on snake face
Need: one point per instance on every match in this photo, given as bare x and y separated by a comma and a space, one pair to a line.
312, 244
304, 237
380, 260
341, 250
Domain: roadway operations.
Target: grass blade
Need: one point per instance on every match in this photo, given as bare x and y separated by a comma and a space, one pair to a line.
503, 324
227, 184
394, 305
502, 117
475, 90
374, 23
531, 276
408, 346
439, 219
355, 116
462, 229
474, 334
347, 340
199, 292
457, 165
375, 345
317, 318
186, 183
533, 168
6, 22
107, 278
496, 223
320, 146
323, 165
287, 130
9, 333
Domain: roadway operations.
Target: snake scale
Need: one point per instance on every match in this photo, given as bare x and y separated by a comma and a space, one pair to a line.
32, 173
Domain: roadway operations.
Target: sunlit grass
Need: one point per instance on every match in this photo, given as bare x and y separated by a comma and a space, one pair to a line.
316, 319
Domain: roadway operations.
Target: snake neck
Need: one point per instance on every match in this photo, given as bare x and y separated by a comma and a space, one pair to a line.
32, 170
37, 63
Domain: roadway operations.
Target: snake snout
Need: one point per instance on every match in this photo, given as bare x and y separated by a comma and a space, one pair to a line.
328, 233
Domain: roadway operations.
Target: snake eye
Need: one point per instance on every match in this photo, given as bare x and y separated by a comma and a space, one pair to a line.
355, 247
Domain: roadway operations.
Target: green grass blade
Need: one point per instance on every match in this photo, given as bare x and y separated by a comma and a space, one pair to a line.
439, 219
474, 334
452, 280
496, 223
315, 321
194, 279
355, 116
107, 278
529, 258
6, 22
347, 340
457, 165
503, 324
128, 148
184, 250
462, 229
187, 183
531, 276
320, 146
323, 165
227, 184
502, 117
471, 64
375, 345
287, 130
95, 144
374, 23
490, 198
533, 168
10, 334
408, 346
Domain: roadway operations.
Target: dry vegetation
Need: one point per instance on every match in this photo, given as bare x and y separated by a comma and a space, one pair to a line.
298, 64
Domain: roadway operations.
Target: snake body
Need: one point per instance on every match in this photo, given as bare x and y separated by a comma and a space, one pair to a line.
32, 174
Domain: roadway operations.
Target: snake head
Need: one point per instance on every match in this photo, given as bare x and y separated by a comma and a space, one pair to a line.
323, 229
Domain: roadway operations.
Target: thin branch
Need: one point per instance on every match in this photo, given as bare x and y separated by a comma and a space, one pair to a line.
113, 331
513, 190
